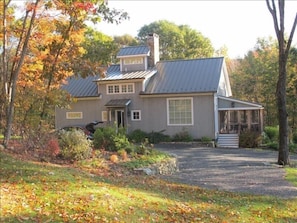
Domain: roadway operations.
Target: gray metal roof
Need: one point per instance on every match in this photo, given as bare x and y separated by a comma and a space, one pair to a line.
133, 51
118, 103
82, 87
114, 73
186, 76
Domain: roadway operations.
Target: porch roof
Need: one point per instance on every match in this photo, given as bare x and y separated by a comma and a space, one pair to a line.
227, 103
116, 103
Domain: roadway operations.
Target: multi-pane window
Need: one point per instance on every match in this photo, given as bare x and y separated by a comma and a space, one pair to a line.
120, 89
133, 60
74, 115
136, 115
180, 111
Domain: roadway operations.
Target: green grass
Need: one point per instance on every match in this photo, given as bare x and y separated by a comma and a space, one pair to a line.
291, 175
42, 192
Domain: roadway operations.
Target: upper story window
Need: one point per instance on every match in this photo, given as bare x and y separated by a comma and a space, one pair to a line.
120, 88
133, 60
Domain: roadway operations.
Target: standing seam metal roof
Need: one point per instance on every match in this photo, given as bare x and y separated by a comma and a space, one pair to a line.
133, 50
186, 76
82, 87
114, 73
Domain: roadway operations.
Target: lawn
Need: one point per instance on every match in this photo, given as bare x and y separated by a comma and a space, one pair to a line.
44, 192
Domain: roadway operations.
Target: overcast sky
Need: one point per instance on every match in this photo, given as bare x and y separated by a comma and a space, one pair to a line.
236, 24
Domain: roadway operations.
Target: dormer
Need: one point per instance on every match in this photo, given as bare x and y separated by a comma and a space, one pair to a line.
140, 58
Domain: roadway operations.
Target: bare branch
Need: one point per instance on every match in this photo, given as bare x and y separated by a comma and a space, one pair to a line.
273, 11
291, 35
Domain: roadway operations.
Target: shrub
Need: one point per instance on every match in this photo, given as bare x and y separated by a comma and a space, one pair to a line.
182, 136
110, 139
272, 145
103, 138
206, 139
74, 145
249, 139
272, 133
53, 148
157, 137
137, 136
294, 137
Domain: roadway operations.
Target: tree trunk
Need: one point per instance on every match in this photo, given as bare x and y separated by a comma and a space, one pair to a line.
20, 52
284, 47
283, 153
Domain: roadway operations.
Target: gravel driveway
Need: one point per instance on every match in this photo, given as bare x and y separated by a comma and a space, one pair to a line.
236, 170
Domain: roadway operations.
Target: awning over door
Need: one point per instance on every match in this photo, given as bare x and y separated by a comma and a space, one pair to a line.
118, 103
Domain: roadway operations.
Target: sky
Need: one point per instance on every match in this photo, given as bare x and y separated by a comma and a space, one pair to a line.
234, 24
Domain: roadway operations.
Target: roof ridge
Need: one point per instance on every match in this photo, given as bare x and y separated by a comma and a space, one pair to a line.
134, 46
178, 60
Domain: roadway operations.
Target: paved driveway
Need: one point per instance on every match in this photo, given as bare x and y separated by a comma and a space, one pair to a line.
237, 170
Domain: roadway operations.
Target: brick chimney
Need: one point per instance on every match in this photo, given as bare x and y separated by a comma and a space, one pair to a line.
153, 44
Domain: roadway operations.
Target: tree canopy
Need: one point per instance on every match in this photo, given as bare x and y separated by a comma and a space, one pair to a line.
41, 47
178, 42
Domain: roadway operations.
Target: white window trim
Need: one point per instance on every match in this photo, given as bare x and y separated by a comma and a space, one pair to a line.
132, 116
192, 111
138, 60
120, 88
74, 115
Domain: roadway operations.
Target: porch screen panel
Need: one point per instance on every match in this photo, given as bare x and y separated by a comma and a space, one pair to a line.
255, 125
180, 111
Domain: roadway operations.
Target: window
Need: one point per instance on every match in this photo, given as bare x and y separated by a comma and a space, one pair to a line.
135, 115
74, 115
180, 111
120, 89
104, 116
134, 60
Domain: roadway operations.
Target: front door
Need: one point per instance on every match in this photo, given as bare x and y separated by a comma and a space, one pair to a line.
120, 118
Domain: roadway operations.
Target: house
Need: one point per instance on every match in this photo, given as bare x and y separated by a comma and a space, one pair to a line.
144, 93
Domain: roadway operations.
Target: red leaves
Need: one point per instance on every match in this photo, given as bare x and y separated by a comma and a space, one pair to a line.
86, 6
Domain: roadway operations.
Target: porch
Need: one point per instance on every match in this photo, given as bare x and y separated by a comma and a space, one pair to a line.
236, 116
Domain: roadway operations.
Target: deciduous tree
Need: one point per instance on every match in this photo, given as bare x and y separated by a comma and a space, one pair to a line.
178, 42
284, 44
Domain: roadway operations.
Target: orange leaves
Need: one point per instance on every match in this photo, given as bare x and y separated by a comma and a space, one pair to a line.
86, 6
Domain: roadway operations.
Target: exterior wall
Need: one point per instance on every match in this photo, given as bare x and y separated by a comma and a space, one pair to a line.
154, 117
90, 110
153, 112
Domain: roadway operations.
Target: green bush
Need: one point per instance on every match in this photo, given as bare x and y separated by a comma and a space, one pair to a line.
249, 139
74, 145
294, 137
271, 133
272, 145
110, 138
137, 136
206, 139
103, 138
182, 136
293, 147
157, 137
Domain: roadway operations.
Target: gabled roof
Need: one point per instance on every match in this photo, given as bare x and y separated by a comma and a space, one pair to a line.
114, 73
186, 76
133, 51
81, 87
